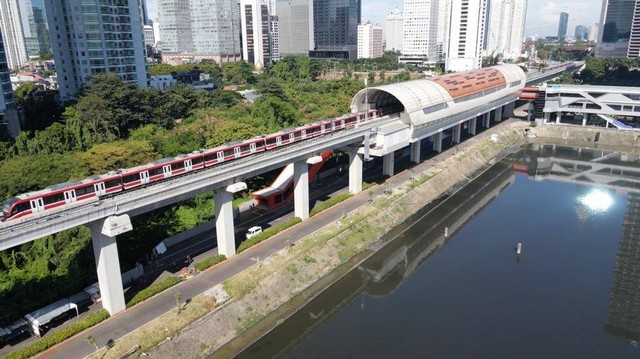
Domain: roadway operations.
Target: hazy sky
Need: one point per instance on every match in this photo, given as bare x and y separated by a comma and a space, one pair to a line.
542, 15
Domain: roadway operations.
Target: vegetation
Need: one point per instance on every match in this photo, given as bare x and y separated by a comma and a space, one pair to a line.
606, 71
59, 335
209, 262
152, 290
269, 232
329, 203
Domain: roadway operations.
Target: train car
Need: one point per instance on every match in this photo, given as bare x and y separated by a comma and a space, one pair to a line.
161, 169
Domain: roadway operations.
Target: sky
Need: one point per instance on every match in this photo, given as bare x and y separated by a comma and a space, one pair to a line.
542, 15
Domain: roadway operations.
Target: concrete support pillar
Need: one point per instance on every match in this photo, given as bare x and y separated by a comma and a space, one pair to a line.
437, 142
473, 123
105, 251
584, 121
558, 117
415, 151
546, 117
486, 120
301, 189
355, 170
457, 130
497, 115
387, 164
507, 110
225, 230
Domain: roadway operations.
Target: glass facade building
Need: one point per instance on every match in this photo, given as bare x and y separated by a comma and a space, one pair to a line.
335, 25
616, 20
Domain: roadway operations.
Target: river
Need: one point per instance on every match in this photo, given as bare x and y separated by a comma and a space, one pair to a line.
574, 291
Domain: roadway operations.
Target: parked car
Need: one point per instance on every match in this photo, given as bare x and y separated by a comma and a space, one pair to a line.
253, 231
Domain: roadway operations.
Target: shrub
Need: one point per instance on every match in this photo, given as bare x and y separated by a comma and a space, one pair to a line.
269, 232
59, 335
367, 185
153, 290
208, 262
329, 203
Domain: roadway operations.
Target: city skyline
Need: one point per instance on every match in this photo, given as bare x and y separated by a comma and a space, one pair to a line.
542, 15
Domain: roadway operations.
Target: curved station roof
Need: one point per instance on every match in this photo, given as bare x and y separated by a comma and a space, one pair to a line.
413, 97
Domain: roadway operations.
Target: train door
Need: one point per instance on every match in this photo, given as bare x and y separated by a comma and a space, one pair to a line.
37, 205
279, 140
220, 156
252, 147
70, 196
166, 170
144, 177
291, 137
188, 165
333, 126
99, 189
236, 151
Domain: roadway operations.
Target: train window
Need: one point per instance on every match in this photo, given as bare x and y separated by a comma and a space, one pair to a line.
131, 178
53, 198
297, 134
85, 190
21, 207
271, 141
155, 171
228, 152
197, 160
244, 148
112, 183
177, 166
210, 157
313, 130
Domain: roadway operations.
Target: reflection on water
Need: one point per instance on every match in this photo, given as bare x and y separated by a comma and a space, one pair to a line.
425, 294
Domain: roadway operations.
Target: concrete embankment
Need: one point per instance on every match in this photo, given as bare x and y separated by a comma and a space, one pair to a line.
587, 136
302, 270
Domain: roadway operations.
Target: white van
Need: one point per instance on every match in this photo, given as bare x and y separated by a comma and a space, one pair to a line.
253, 231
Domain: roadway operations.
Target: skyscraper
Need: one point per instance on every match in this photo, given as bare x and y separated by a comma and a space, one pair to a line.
8, 111
11, 27
562, 26
92, 37
295, 26
394, 31
369, 41
419, 28
275, 38
581, 33
175, 26
335, 28
634, 37
35, 27
255, 20
442, 33
593, 32
614, 33
466, 35
506, 27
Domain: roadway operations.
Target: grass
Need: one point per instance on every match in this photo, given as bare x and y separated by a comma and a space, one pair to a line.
330, 203
152, 290
269, 232
209, 262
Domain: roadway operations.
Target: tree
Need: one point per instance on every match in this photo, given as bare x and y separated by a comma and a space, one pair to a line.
40, 107
95, 114
91, 340
239, 73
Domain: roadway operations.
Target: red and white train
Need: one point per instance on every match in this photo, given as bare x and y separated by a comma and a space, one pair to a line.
125, 179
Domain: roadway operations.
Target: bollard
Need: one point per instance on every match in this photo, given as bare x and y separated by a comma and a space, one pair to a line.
519, 248
446, 231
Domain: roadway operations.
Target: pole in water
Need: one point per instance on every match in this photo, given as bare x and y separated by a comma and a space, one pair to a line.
446, 231
519, 248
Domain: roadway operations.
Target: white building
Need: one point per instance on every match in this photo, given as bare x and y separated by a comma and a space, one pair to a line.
466, 35
175, 26
215, 27
89, 40
12, 30
161, 82
295, 25
593, 32
275, 39
420, 25
254, 17
156, 29
149, 37
369, 41
394, 31
444, 18
506, 28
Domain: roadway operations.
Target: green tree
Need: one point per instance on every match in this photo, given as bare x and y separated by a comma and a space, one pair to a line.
238, 73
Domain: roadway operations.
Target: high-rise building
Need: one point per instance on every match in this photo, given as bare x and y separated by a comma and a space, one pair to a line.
175, 26
335, 28
634, 37
14, 36
420, 29
562, 26
275, 38
295, 26
254, 17
394, 31
215, 27
506, 28
35, 27
614, 32
8, 111
92, 37
442, 33
466, 35
145, 13
593, 32
369, 41
156, 29
149, 37
581, 33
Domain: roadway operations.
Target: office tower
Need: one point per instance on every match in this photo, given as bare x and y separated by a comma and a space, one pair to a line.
581, 33
562, 26
175, 26
593, 32
275, 39
419, 28
145, 14
149, 37
8, 111
35, 28
369, 41
215, 27
506, 28
92, 37
394, 31
634, 37
295, 26
11, 27
254, 17
335, 28
466, 35
442, 34
614, 31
